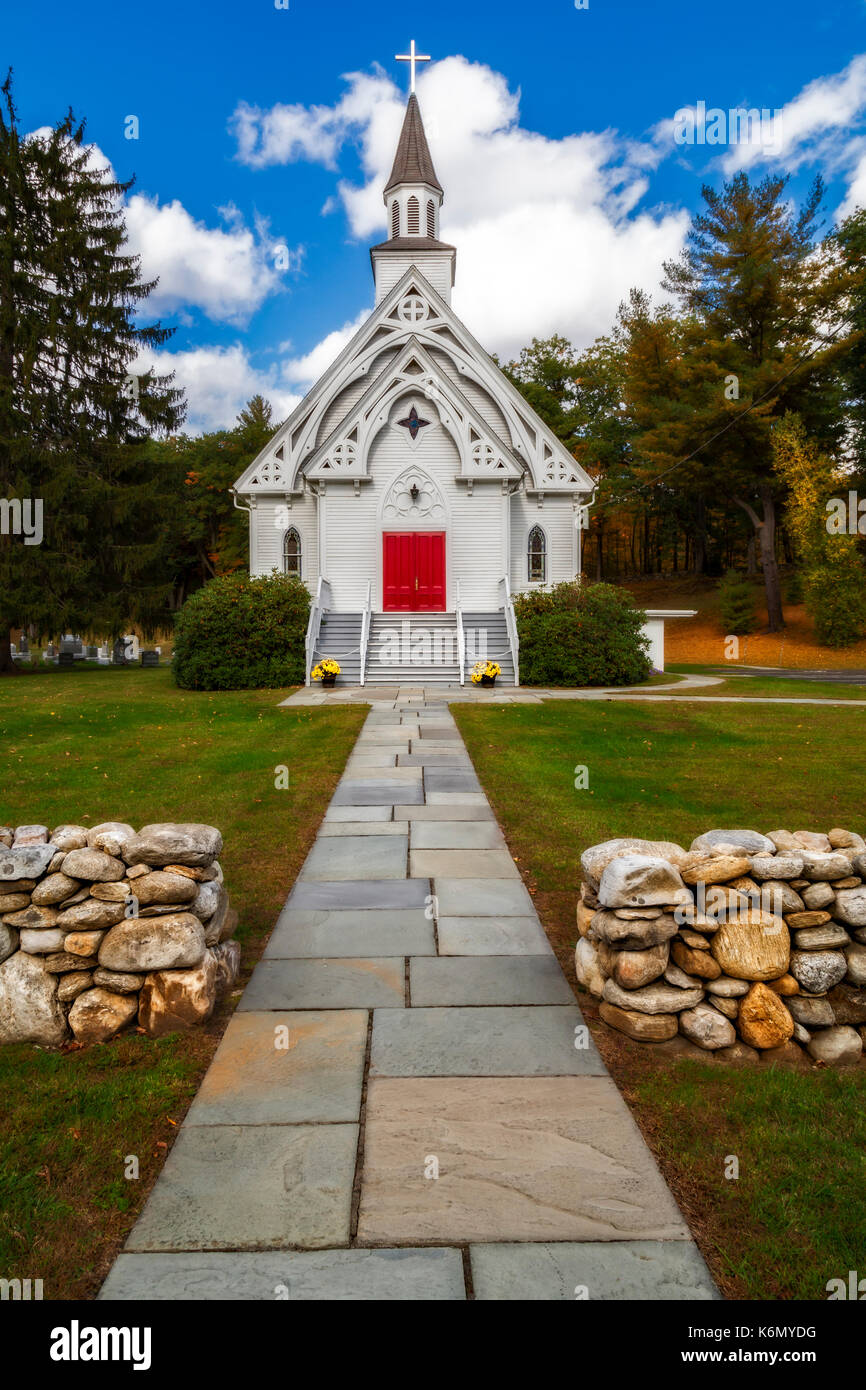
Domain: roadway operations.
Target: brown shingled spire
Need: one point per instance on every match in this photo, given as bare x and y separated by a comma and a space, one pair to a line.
413, 162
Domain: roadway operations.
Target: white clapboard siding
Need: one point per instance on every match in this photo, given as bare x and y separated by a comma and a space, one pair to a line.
346, 400
391, 268
475, 526
268, 529
476, 395
556, 518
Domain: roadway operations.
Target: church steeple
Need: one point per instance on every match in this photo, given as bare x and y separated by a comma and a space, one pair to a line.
413, 197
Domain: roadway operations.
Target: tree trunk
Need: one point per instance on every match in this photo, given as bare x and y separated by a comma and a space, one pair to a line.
751, 557
766, 534
8, 667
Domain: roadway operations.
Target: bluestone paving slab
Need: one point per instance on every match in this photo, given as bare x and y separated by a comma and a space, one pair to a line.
299, 1276
456, 799
356, 857
451, 782
482, 897
330, 830
455, 835
463, 864
383, 774
285, 1068
552, 1158
492, 936
615, 1270
440, 761
447, 812
360, 893
488, 980
483, 1041
242, 1187
378, 793
367, 813
371, 932
347, 982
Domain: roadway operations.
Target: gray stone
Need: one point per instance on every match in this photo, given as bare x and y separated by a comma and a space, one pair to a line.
342, 932
707, 1027
76, 982
749, 840
438, 782
379, 793
355, 895
812, 1011
209, 898
595, 860
340, 814
851, 906
8, 942
91, 915
856, 958
56, 888
119, 982
636, 880
315, 1074
482, 897
248, 1187
356, 857
827, 937
516, 1041
29, 862
227, 959
677, 977
160, 888
30, 835
818, 971
66, 837
93, 866
818, 896
782, 866
610, 1271
818, 866
111, 836
42, 943
98, 1014
169, 842
456, 835
587, 966
326, 984
29, 1009
298, 1276
173, 942
838, 1047
778, 897
488, 980
652, 999
492, 936
633, 934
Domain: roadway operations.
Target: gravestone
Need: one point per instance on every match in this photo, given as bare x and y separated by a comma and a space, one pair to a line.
91, 653
118, 653
150, 658
66, 659
24, 646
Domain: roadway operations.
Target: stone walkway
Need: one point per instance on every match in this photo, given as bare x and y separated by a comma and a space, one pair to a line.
407, 1103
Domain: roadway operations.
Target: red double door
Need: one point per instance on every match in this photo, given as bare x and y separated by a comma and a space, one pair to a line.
413, 571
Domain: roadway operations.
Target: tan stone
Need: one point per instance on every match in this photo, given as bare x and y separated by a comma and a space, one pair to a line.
785, 985
846, 839
656, 998
72, 984
694, 939
91, 915
811, 839
716, 868
29, 1009
117, 981
161, 887
188, 871
98, 1014
596, 859
632, 935
32, 918
63, 961
584, 917
788, 1054
110, 892
92, 866
83, 943
56, 888
632, 969
174, 942
783, 839
640, 1027
739, 1054
173, 1000
763, 1020
228, 963
13, 902
797, 920
68, 837
699, 963
707, 1027
755, 947
852, 882
729, 1007
587, 967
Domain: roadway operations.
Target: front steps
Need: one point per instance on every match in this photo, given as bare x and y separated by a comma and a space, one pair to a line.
340, 637
413, 648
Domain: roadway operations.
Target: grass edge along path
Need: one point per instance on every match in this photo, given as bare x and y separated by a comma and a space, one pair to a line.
796, 1215
127, 745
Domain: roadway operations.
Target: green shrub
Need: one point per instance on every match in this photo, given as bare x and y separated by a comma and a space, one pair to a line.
580, 634
737, 603
836, 601
794, 591
239, 633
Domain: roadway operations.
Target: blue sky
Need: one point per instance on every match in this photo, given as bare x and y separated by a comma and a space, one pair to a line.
265, 135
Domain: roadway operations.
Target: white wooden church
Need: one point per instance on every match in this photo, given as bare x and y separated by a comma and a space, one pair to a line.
414, 490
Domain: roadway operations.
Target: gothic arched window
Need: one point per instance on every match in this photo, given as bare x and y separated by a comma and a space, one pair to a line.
395, 218
536, 556
292, 552
413, 210
431, 218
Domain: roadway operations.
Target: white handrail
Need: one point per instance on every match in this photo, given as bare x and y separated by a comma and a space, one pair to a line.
511, 625
321, 602
365, 630
461, 635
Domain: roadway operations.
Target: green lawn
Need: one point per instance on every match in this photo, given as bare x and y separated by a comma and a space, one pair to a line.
778, 687
797, 1215
88, 746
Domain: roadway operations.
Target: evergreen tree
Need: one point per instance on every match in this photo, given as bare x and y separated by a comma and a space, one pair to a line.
70, 407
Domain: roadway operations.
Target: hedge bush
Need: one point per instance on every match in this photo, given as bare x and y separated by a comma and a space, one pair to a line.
835, 599
581, 634
737, 604
239, 633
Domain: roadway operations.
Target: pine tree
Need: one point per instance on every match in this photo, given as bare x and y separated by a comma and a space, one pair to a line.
70, 407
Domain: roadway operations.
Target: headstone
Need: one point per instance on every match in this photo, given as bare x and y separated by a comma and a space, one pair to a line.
133, 649
24, 646
66, 659
118, 654
91, 653
150, 658
67, 643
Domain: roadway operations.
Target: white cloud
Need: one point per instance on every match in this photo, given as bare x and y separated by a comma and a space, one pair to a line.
226, 272
546, 234
305, 371
219, 381
808, 126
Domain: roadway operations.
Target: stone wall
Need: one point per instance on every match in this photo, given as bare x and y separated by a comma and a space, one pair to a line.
103, 929
744, 943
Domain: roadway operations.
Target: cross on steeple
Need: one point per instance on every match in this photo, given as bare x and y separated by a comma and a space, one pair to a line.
412, 58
